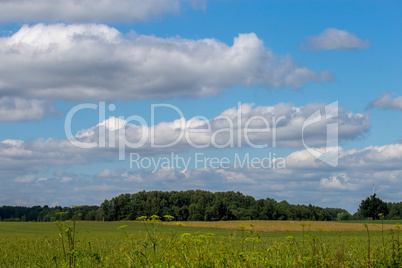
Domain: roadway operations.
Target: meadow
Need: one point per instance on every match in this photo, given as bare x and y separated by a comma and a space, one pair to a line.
152, 243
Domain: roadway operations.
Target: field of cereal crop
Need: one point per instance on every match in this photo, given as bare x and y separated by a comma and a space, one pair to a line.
199, 244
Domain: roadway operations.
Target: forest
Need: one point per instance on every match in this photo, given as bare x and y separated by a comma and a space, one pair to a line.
192, 205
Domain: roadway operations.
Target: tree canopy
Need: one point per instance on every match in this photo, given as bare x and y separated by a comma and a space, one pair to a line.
201, 205
198, 205
372, 206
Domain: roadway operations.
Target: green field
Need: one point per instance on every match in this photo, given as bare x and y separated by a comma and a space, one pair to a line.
151, 244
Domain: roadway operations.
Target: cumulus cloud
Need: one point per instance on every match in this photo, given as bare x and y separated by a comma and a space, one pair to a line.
26, 178
372, 158
339, 181
18, 157
91, 61
16, 109
262, 126
247, 125
332, 38
106, 173
66, 179
89, 10
386, 102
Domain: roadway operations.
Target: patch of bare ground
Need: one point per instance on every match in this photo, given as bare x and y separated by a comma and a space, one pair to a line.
287, 226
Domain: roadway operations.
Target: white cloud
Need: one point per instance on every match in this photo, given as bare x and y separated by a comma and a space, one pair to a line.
332, 38
90, 61
234, 177
66, 179
386, 102
89, 10
100, 188
132, 177
19, 157
26, 178
339, 181
372, 158
386, 157
17, 109
279, 125
105, 173
41, 179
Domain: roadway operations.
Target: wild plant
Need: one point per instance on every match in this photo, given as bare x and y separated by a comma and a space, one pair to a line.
68, 241
368, 246
381, 215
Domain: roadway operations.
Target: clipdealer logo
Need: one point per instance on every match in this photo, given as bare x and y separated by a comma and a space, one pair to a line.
331, 150
238, 128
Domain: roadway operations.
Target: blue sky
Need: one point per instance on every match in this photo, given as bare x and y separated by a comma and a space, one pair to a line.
276, 58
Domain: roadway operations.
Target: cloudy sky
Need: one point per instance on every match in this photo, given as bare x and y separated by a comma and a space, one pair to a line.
291, 100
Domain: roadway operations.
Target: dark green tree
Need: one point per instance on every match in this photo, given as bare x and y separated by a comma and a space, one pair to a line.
372, 206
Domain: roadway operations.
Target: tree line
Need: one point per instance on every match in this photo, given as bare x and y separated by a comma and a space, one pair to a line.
46, 213
198, 205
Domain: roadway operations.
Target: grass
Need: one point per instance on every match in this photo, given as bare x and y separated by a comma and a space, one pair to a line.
201, 244
88, 227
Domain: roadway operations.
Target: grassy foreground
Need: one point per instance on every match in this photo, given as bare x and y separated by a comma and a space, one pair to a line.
200, 244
